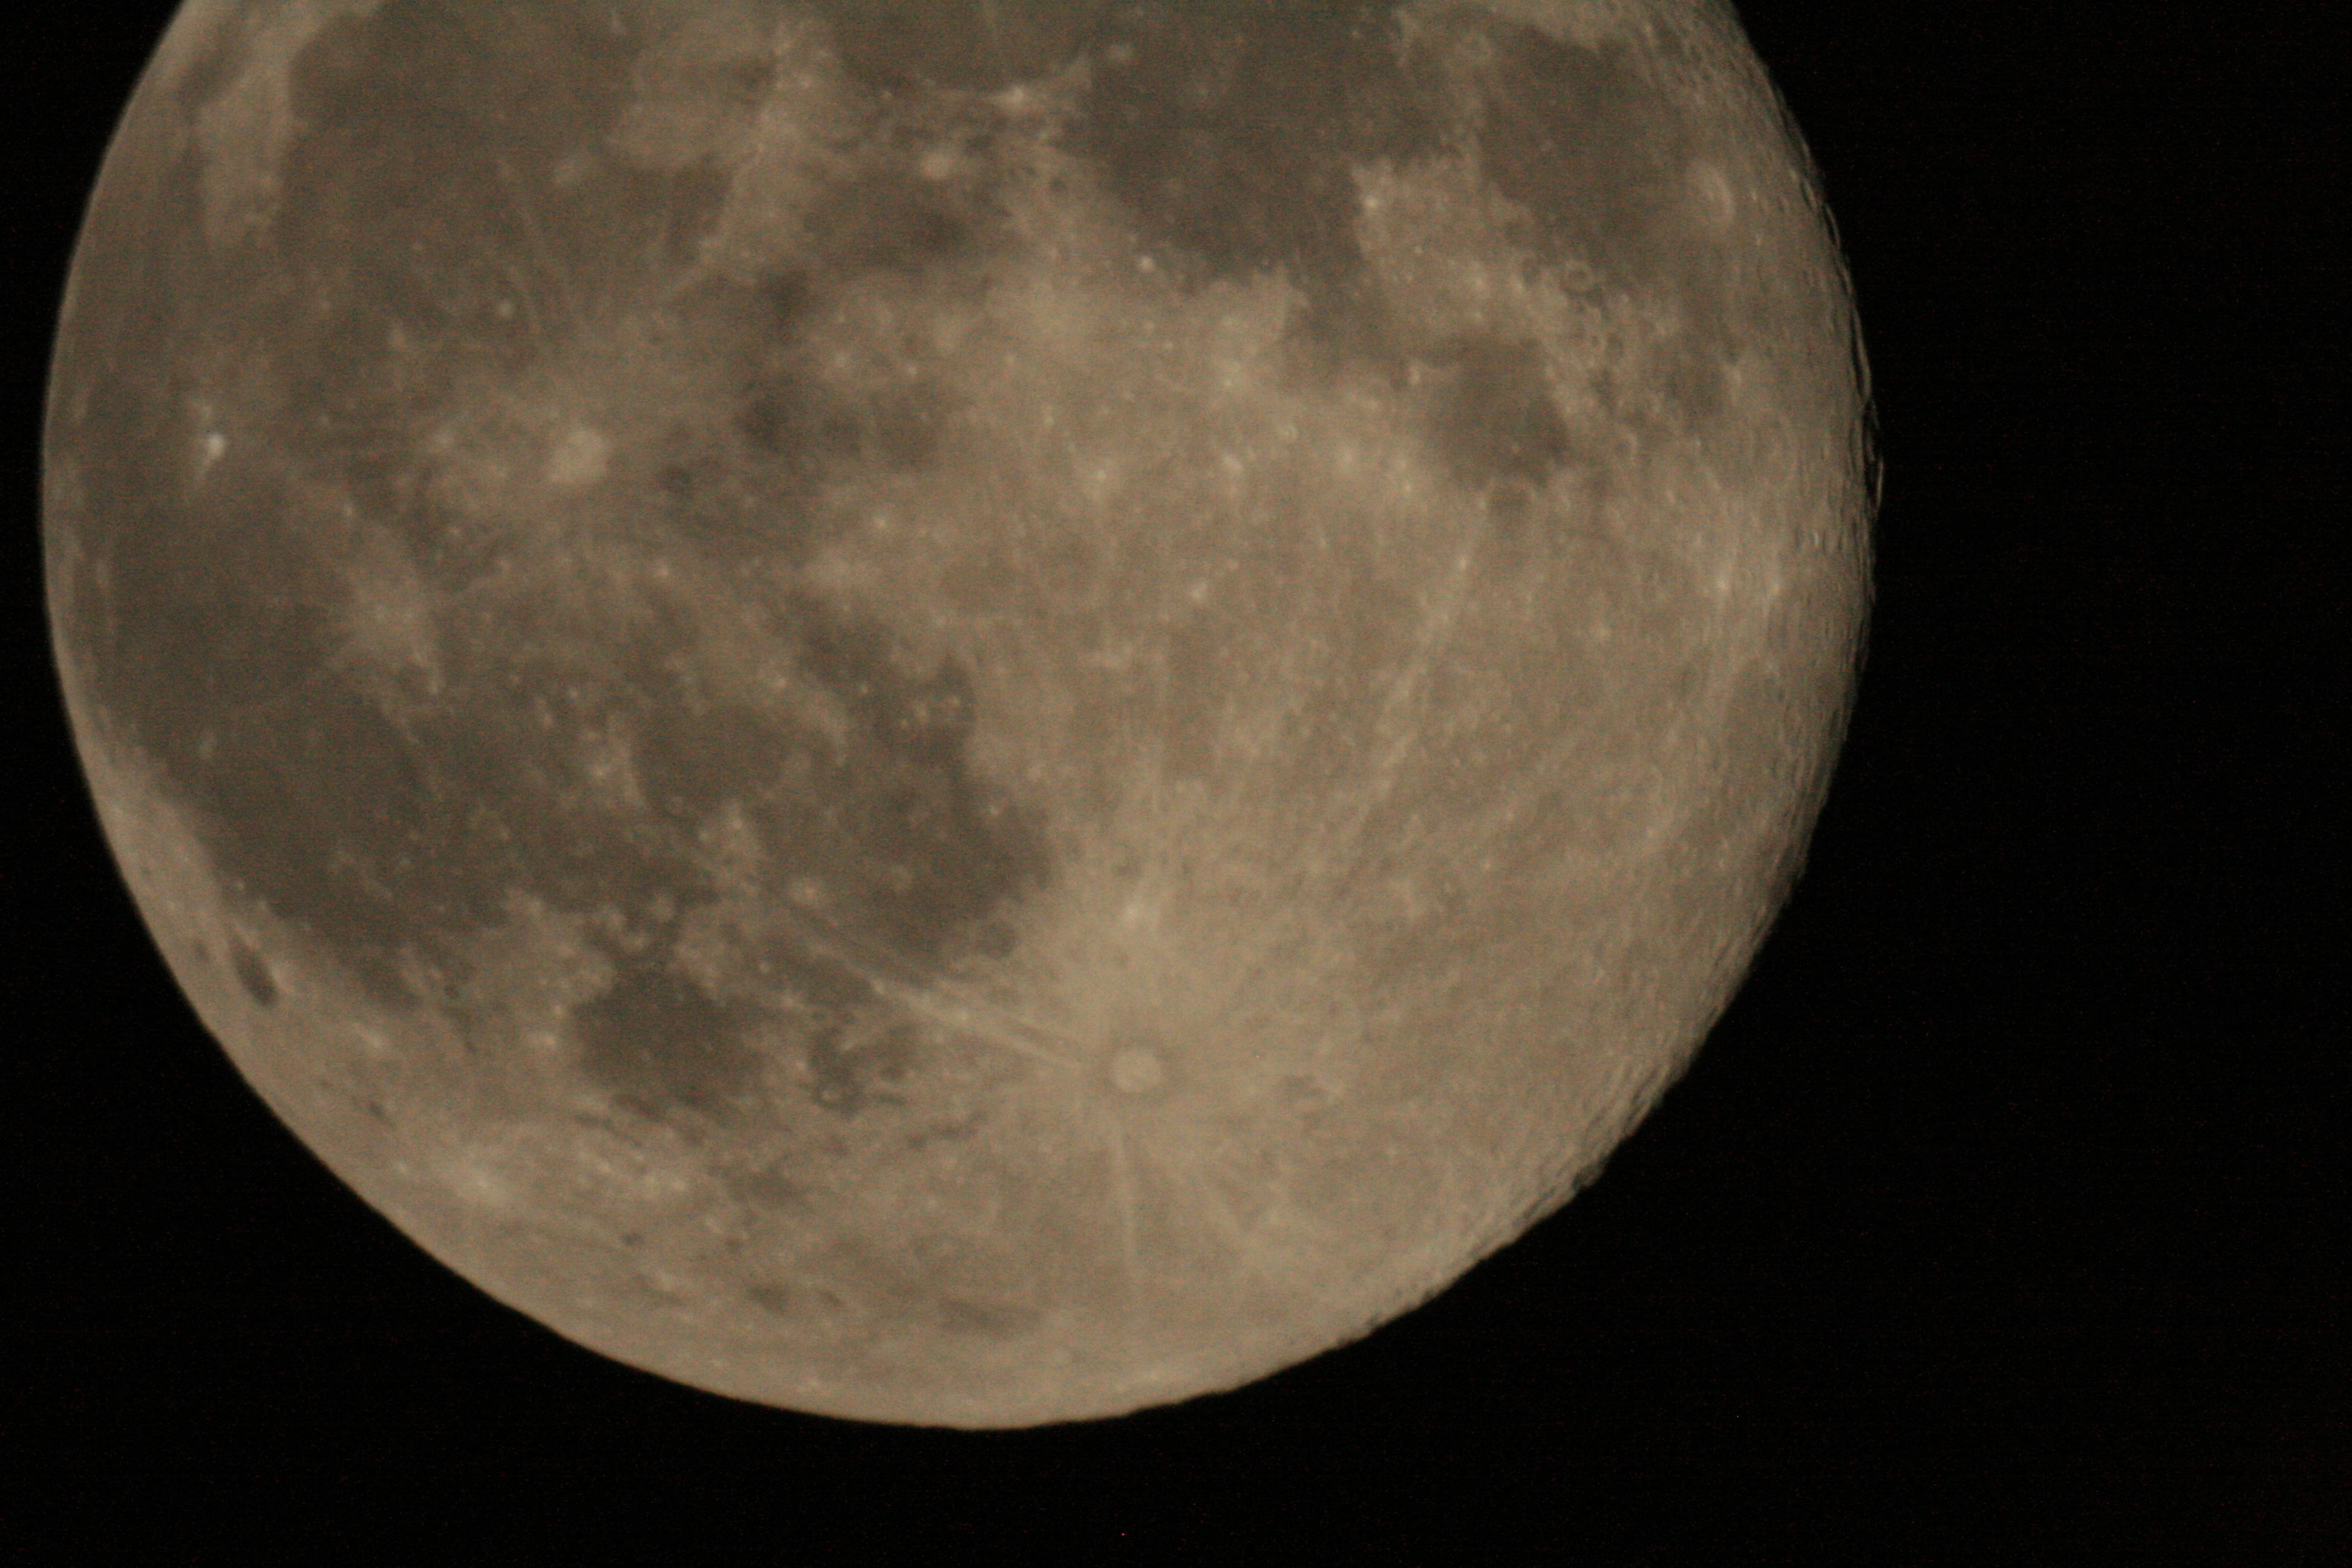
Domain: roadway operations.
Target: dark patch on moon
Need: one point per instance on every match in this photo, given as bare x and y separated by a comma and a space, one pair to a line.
1495, 421
1600, 155
959, 1315
795, 422
418, 195
918, 851
253, 973
771, 1297
661, 1042
766, 1188
932, 1282
216, 610
197, 607
1232, 135
784, 423
1593, 149
973, 45
391, 838
339, 820
887, 220
702, 495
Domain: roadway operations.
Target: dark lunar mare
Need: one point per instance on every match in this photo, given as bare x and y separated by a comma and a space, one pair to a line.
974, 46
1496, 421
658, 1040
1231, 132
391, 819
252, 971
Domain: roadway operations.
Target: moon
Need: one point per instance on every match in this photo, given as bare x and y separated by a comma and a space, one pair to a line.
971, 713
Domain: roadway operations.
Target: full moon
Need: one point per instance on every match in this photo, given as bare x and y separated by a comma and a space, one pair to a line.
967, 712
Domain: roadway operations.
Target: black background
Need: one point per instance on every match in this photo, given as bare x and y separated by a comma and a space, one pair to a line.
1994, 1219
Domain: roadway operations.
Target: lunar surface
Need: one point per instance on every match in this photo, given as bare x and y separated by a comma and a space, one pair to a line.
958, 712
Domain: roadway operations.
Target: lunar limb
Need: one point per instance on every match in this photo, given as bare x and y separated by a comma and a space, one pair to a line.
957, 713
